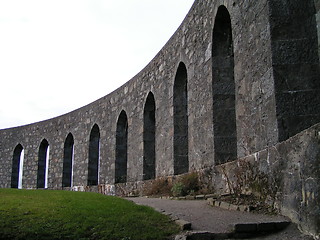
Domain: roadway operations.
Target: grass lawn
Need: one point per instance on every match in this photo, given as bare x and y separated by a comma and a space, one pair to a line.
48, 214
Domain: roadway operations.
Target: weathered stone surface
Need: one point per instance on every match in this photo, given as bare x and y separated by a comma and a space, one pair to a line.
270, 63
224, 205
243, 208
233, 207
184, 225
200, 197
281, 225
211, 201
200, 235
245, 227
211, 196
190, 197
266, 227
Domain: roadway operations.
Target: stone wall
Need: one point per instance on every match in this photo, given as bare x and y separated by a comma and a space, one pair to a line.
317, 5
191, 46
285, 177
295, 61
253, 64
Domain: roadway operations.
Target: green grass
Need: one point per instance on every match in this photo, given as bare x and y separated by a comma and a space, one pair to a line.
46, 214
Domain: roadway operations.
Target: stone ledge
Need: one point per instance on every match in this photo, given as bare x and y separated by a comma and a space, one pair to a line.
240, 231
196, 235
229, 206
184, 225
262, 227
190, 197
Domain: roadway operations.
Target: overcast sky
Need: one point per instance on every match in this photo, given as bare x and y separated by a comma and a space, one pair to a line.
59, 55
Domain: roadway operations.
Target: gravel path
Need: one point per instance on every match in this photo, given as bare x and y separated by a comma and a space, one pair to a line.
213, 219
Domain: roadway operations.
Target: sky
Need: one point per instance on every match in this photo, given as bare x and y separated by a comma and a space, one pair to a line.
59, 55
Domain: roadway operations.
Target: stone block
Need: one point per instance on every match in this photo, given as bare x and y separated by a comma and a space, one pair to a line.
197, 235
201, 235
282, 225
225, 205
174, 218
184, 225
245, 227
243, 208
211, 201
266, 227
200, 197
189, 197
181, 237
251, 208
233, 207
211, 196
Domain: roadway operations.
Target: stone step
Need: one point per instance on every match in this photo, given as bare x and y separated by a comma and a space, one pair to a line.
228, 206
184, 225
260, 227
238, 231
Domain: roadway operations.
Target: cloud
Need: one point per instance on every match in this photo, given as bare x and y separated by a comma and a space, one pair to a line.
56, 56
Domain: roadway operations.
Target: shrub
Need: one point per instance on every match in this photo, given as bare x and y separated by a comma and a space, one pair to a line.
190, 182
158, 187
178, 189
187, 184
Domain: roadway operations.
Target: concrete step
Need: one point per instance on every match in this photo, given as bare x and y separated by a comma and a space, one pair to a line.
237, 231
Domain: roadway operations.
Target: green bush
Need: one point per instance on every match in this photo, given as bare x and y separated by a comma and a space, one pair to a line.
178, 189
158, 187
187, 184
191, 182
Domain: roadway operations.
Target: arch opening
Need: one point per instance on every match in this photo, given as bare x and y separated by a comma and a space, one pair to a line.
94, 155
223, 89
43, 162
17, 167
149, 138
68, 161
121, 148
180, 111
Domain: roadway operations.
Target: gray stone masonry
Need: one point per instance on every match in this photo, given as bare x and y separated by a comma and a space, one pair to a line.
236, 78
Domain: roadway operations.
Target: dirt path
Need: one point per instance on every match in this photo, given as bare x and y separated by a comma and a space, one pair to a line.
213, 219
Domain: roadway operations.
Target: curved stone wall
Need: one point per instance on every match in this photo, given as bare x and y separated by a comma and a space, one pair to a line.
260, 53
237, 77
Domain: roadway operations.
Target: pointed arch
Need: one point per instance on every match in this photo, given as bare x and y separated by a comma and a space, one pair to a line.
180, 111
223, 89
121, 148
43, 161
68, 161
94, 155
17, 167
149, 138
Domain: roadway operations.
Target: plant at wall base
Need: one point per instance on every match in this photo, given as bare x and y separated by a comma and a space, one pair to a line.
263, 185
188, 184
247, 176
178, 189
235, 187
205, 178
191, 182
158, 187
